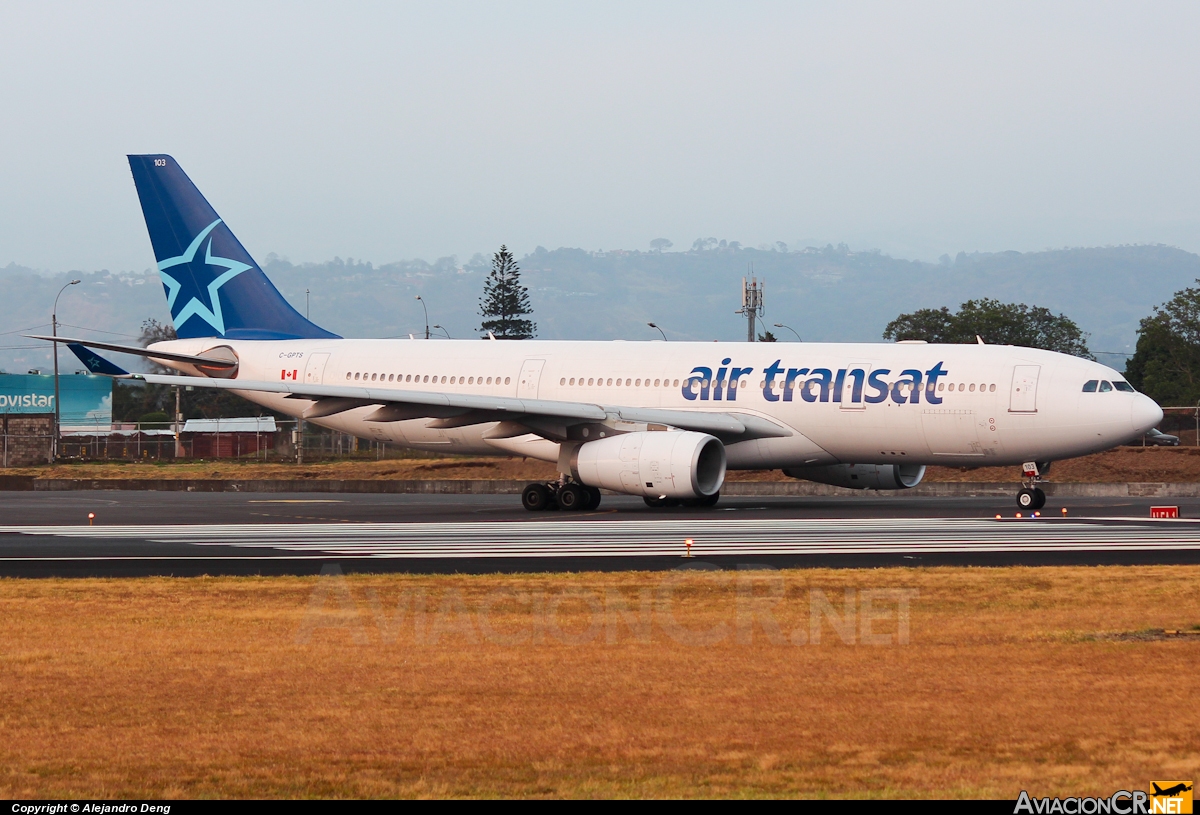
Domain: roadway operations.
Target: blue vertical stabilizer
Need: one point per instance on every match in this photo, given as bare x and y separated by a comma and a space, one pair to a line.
213, 287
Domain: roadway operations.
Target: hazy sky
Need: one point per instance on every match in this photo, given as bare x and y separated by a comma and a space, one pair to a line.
387, 131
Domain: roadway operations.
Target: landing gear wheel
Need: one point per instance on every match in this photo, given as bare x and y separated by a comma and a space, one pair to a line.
1027, 499
654, 502
1039, 498
593, 497
536, 497
571, 497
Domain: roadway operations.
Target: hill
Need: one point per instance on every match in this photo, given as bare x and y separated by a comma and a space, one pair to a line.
826, 294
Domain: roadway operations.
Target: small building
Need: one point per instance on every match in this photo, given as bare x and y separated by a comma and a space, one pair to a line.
229, 438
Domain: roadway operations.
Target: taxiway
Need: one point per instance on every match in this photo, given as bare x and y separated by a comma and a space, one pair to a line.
141, 533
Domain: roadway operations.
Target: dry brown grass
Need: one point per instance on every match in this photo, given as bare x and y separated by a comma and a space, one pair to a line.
1170, 464
204, 687
226, 469
1122, 464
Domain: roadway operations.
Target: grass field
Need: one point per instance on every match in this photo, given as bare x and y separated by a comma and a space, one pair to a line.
1055, 680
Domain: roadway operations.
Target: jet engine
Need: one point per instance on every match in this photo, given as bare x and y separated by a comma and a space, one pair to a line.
675, 464
862, 476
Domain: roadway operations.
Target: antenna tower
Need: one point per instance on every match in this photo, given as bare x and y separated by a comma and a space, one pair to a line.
752, 304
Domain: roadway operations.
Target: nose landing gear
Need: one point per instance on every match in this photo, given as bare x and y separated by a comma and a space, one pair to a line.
1031, 496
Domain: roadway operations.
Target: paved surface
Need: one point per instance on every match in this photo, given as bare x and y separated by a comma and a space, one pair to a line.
220, 533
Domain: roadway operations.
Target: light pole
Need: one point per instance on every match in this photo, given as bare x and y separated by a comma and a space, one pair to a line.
444, 329
307, 313
426, 316
660, 331
178, 426
54, 333
789, 328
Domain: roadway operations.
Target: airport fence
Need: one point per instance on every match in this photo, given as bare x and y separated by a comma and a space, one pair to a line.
159, 441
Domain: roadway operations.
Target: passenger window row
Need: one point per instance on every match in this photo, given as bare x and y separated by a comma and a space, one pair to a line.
1104, 386
942, 386
620, 382
1089, 387
427, 379
971, 387
775, 384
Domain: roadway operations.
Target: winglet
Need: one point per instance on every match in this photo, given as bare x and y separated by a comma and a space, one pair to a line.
95, 363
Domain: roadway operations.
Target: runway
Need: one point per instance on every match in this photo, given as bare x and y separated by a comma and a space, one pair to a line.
774, 533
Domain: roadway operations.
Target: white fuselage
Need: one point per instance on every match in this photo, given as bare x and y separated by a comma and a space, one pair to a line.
961, 405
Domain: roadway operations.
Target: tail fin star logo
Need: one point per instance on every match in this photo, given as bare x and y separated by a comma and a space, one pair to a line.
189, 282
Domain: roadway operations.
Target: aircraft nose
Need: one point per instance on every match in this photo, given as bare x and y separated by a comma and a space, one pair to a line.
1145, 414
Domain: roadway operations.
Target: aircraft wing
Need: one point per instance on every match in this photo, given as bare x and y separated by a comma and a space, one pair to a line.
549, 418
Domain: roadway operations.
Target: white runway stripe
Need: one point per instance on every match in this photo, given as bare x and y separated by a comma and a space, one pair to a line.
711, 537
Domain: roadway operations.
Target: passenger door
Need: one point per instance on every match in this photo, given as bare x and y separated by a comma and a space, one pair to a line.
1023, 396
314, 371
851, 384
531, 375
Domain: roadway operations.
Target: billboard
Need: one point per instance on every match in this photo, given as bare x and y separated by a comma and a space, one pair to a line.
86, 399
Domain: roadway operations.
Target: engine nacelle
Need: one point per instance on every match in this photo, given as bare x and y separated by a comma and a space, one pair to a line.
863, 476
675, 464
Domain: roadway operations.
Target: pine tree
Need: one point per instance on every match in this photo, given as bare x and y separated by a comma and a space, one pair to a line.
505, 301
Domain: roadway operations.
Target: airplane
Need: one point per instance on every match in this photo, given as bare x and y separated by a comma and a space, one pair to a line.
664, 421
1169, 792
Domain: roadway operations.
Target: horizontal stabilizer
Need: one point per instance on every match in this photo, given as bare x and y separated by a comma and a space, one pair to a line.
207, 362
95, 363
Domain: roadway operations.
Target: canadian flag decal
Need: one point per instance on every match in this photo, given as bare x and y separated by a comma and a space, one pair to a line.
288, 375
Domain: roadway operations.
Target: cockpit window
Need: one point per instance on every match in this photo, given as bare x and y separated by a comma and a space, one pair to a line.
1105, 386
1090, 385
1124, 387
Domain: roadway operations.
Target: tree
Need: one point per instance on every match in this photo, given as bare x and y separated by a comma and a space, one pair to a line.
153, 331
1166, 363
505, 301
660, 244
767, 336
997, 323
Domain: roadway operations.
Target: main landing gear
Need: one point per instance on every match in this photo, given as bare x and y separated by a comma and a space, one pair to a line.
1031, 496
566, 495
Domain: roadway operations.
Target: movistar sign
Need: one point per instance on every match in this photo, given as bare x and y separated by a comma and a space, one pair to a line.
86, 400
